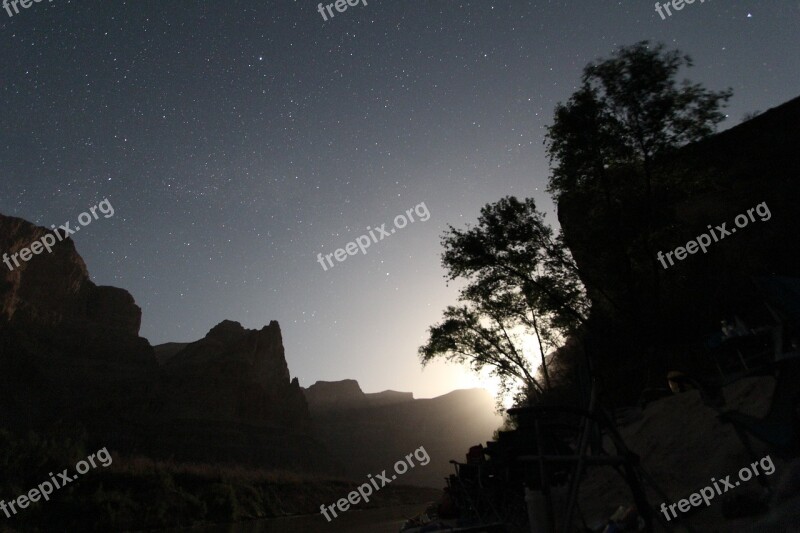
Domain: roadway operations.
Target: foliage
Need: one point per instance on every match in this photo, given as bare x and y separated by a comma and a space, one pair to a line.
629, 110
750, 115
520, 281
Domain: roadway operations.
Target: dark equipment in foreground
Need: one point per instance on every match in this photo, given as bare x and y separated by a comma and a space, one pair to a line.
528, 479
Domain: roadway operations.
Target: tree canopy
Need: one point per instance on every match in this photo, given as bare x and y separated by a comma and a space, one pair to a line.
629, 108
520, 281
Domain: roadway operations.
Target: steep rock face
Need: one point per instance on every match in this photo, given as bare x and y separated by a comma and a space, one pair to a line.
46, 288
659, 317
248, 373
54, 287
114, 308
67, 346
733, 171
70, 351
229, 398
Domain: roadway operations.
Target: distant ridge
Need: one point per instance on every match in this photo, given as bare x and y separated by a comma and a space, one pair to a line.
70, 352
347, 394
366, 433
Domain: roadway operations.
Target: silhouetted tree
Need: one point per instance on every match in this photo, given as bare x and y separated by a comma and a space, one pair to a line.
750, 115
629, 112
629, 109
584, 142
521, 281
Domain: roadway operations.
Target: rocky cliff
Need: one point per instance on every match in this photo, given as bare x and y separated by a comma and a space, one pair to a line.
229, 397
67, 346
648, 319
70, 351
248, 373
54, 288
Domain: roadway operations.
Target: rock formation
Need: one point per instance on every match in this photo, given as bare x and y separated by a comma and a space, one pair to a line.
367, 433
68, 348
324, 396
229, 397
634, 299
71, 351
53, 288
234, 375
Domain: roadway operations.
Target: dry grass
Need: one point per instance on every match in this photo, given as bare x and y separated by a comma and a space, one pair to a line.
138, 465
139, 493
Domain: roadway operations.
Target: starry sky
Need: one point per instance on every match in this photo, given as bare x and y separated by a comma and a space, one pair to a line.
238, 139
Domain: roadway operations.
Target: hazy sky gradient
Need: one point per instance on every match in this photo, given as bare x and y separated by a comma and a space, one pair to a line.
238, 139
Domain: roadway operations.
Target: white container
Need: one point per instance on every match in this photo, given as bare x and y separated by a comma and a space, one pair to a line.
537, 508
537, 511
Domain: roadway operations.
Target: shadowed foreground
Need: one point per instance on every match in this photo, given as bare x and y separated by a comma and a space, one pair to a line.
384, 520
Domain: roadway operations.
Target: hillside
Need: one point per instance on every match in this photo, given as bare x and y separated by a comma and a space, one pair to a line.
70, 353
365, 438
647, 320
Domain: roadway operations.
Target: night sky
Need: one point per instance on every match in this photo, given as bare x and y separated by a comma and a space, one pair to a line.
237, 140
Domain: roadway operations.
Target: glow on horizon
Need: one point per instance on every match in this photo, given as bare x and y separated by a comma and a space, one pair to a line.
461, 377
